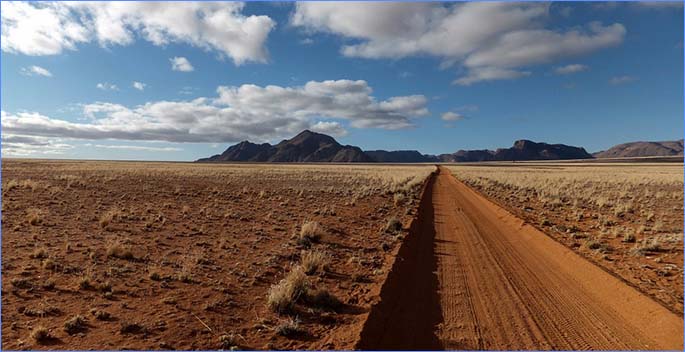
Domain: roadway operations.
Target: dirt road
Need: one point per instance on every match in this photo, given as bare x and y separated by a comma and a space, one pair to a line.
472, 276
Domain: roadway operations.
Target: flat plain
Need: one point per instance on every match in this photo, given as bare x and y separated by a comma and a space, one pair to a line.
133, 255
141, 255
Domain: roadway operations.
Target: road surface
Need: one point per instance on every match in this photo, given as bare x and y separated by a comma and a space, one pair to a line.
470, 275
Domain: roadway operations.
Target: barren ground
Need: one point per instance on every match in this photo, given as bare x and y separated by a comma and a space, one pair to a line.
183, 256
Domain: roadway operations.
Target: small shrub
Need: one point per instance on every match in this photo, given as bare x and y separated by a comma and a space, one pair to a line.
21, 283
629, 237
131, 328
84, 283
394, 225
310, 232
283, 296
48, 284
39, 253
41, 335
100, 314
646, 246
227, 341
108, 217
34, 217
288, 327
313, 261
117, 249
399, 198
75, 324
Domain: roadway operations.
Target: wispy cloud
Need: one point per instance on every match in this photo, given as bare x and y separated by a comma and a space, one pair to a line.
106, 86
569, 69
452, 116
622, 80
36, 71
135, 147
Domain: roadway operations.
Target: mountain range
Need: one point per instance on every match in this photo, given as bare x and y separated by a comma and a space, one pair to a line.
641, 149
310, 146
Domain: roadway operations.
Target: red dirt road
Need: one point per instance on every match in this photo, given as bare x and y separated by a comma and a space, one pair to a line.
472, 276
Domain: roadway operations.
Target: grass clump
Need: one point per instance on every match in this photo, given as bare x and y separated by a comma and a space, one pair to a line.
288, 327
646, 246
314, 261
75, 324
311, 232
39, 253
227, 342
629, 237
117, 249
41, 335
100, 314
394, 225
283, 296
21, 283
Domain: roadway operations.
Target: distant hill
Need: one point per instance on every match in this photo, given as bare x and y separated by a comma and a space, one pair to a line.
400, 156
521, 150
640, 149
316, 147
307, 146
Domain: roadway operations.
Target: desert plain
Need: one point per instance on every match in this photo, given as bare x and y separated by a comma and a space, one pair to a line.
143, 255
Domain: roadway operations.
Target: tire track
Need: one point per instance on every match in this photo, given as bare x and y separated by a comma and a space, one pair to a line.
472, 276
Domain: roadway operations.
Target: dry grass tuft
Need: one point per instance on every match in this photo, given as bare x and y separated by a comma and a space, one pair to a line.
288, 327
117, 249
313, 261
41, 334
34, 216
283, 296
75, 324
108, 217
39, 253
311, 232
228, 342
100, 314
646, 246
394, 225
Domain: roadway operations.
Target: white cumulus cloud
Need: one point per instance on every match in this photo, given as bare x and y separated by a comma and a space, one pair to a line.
49, 28
330, 128
181, 64
139, 85
257, 113
491, 40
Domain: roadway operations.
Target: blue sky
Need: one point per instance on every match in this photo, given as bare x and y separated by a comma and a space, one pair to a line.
432, 77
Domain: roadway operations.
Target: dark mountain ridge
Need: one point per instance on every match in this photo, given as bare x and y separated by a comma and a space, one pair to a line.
306, 147
310, 146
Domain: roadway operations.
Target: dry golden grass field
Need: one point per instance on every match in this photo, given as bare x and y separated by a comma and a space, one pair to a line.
133, 255
626, 218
